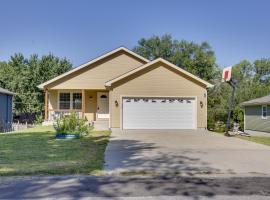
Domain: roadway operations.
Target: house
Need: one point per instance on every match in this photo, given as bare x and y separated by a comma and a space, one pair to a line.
256, 116
5, 109
124, 90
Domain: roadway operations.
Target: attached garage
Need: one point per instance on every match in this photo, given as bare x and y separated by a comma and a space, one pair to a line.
159, 113
158, 95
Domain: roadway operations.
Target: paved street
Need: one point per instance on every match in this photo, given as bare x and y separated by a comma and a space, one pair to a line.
74, 187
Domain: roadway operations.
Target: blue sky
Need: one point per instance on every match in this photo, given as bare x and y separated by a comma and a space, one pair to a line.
83, 29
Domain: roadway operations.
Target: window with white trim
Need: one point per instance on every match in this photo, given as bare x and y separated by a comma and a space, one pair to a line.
64, 101
77, 101
264, 112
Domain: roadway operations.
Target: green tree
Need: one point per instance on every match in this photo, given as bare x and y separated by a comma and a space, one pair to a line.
22, 76
262, 69
198, 59
252, 82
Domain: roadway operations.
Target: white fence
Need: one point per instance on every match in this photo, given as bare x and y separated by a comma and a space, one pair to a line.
9, 127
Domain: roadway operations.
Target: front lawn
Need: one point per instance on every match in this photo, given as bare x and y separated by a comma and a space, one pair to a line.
35, 151
257, 139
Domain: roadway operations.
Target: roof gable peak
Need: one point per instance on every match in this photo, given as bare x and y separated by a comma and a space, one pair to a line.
121, 48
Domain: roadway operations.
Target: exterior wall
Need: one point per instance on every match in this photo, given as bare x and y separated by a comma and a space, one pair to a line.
94, 76
90, 102
254, 121
90, 105
53, 99
5, 108
158, 80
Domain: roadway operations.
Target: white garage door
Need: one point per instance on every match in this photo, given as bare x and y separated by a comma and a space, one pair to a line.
159, 113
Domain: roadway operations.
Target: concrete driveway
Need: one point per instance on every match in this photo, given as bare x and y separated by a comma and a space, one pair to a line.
184, 152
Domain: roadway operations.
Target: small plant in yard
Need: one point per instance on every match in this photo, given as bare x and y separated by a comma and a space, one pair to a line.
71, 125
39, 119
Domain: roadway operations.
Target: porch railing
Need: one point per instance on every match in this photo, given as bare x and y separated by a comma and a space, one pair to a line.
55, 114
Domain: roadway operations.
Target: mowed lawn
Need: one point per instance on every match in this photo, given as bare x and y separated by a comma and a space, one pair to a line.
257, 139
35, 151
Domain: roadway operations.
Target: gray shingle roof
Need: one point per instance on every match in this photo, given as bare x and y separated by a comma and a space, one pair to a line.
4, 91
258, 101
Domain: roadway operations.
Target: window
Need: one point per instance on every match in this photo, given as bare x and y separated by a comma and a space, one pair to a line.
64, 101
264, 112
77, 101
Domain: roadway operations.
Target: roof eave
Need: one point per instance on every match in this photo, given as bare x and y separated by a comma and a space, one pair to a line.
9, 93
255, 104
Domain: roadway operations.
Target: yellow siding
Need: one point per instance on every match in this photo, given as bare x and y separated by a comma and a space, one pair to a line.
90, 105
95, 75
90, 102
53, 95
158, 81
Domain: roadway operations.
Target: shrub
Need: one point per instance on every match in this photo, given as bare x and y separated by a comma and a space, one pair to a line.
71, 124
39, 119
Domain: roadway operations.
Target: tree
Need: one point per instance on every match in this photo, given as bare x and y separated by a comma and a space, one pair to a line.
198, 59
22, 76
252, 82
262, 70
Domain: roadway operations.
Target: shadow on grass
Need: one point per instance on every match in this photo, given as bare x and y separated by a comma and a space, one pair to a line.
39, 153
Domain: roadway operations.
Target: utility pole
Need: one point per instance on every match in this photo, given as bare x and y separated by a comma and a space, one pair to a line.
232, 83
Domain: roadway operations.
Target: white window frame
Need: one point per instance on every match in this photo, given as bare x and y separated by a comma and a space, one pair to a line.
264, 106
71, 99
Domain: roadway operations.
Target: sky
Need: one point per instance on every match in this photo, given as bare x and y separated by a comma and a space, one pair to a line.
81, 30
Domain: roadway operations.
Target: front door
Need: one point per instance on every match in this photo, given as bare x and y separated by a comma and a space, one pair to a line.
103, 105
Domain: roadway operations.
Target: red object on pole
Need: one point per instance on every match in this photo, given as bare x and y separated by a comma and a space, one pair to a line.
226, 75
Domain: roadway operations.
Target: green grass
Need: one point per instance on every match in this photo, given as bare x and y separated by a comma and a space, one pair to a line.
35, 151
257, 139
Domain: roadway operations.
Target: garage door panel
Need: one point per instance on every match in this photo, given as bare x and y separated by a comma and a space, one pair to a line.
152, 113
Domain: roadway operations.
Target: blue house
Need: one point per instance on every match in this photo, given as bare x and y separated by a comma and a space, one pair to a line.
5, 109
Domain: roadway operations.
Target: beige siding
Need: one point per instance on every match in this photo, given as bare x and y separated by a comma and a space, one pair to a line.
90, 102
53, 99
158, 81
90, 105
95, 75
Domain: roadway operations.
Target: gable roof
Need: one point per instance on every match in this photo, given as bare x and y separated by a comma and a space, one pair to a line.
41, 86
257, 101
4, 91
109, 83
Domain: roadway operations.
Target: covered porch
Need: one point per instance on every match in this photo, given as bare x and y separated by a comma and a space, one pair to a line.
91, 105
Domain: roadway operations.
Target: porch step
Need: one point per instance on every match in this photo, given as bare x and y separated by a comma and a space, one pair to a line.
101, 125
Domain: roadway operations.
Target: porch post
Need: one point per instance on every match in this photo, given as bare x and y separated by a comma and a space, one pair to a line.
83, 103
46, 104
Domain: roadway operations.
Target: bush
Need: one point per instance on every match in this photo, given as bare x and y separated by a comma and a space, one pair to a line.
39, 119
220, 127
71, 124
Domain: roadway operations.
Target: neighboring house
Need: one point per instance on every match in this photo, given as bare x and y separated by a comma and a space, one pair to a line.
5, 109
127, 91
257, 116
